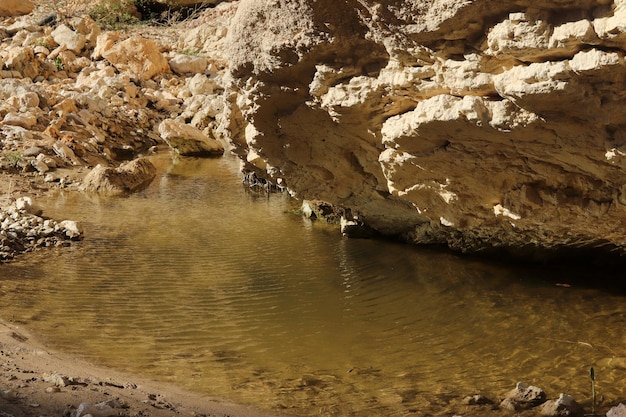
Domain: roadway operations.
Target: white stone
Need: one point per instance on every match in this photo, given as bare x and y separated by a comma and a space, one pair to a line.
187, 64
66, 37
201, 84
498, 210
188, 140
585, 62
71, 229
25, 120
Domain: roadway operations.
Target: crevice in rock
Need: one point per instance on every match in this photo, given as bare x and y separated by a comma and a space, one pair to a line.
163, 13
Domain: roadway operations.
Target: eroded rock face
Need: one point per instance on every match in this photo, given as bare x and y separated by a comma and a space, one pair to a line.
475, 124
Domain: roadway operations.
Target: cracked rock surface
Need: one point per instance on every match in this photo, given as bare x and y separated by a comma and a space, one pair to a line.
478, 125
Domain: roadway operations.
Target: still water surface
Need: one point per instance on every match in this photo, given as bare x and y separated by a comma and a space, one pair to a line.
200, 282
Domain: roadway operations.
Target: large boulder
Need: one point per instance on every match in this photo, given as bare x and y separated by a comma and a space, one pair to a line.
16, 7
127, 178
480, 125
137, 56
188, 140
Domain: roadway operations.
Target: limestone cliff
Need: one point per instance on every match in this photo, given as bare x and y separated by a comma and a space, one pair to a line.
478, 124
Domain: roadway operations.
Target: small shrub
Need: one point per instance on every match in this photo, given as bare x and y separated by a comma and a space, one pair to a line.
190, 52
14, 158
58, 62
115, 14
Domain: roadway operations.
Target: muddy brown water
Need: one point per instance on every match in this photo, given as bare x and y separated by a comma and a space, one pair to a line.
199, 282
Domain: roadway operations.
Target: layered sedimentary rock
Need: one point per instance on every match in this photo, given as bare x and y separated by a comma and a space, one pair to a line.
476, 124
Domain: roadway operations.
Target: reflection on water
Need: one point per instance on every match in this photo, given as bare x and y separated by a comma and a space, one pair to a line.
199, 282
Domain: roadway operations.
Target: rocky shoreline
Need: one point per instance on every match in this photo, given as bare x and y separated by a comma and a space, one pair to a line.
81, 106
23, 230
35, 381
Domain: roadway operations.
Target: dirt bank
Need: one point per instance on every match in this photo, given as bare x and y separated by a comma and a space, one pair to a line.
35, 381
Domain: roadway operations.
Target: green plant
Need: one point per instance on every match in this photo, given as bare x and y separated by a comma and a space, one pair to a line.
14, 158
592, 375
42, 42
58, 62
190, 52
114, 14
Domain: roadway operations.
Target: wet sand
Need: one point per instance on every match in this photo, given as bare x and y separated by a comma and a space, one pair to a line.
36, 381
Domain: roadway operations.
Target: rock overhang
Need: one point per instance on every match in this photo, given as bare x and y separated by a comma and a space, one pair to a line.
445, 121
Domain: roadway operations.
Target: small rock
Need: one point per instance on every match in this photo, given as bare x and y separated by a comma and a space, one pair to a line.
188, 140
67, 38
564, 406
9, 395
57, 380
201, 84
71, 229
103, 409
617, 411
476, 399
509, 404
188, 64
138, 56
525, 396
32, 151
25, 120
65, 152
40, 166
356, 229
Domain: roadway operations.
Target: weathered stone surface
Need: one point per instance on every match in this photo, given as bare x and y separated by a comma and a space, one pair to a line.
25, 120
69, 39
188, 140
138, 56
617, 411
16, 7
188, 64
129, 177
523, 396
481, 125
563, 406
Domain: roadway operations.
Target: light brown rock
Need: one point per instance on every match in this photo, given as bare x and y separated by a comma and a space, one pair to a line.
69, 39
16, 7
138, 56
187, 64
188, 140
436, 121
129, 177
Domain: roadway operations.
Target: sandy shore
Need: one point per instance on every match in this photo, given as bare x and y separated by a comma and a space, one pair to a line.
35, 381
